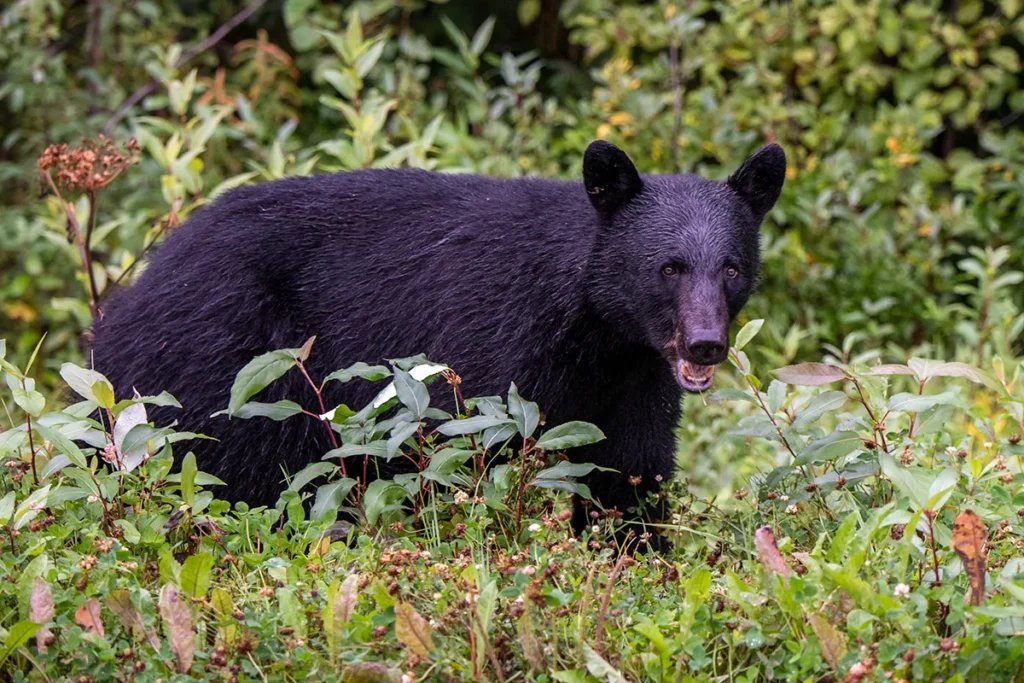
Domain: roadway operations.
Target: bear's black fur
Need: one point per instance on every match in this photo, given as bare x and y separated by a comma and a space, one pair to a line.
601, 300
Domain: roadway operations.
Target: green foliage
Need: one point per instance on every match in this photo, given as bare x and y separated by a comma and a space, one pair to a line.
818, 501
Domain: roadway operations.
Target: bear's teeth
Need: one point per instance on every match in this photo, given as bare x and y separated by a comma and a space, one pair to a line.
694, 374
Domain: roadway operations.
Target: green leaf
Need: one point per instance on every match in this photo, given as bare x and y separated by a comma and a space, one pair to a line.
6, 508
914, 403
309, 473
599, 667
367, 60
747, 333
104, 394
195, 575
188, 479
361, 370
62, 444
941, 489
82, 381
377, 449
482, 37
776, 395
381, 496
399, 434
824, 402
277, 411
832, 447
18, 635
331, 497
912, 483
30, 507
411, 392
444, 462
32, 402
569, 469
526, 414
569, 435
810, 374
471, 425
258, 374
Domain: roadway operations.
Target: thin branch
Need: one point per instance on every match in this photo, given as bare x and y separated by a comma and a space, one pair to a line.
677, 104
212, 40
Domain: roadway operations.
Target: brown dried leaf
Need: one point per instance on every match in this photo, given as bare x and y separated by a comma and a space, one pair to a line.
833, 643
969, 537
88, 617
40, 611
412, 630
178, 624
369, 672
120, 603
768, 553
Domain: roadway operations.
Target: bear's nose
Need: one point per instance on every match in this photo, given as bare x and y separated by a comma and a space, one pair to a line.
706, 347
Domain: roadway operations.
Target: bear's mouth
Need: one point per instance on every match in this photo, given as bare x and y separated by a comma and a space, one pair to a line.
692, 377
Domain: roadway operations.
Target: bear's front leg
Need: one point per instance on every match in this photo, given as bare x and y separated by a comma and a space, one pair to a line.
640, 444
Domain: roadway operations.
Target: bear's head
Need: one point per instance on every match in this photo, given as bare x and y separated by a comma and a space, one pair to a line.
677, 256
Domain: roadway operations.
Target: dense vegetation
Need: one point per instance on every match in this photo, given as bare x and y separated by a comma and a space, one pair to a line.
850, 499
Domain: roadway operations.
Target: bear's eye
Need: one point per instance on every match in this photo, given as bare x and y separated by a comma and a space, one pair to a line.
731, 273
669, 270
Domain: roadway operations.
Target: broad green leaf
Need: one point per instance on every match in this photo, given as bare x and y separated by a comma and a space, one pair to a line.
599, 667
733, 395
810, 374
913, 403
471, 425
568, 469
309, 473
19, 634
747, 333
380, 496
941, 489
569, 435
82, 381
377, 449
525, 413
277, 411
411, 392
32, 402
824, 402
195, 575
30, 507
360, 370
913, 483
832, 447
258, 374
399, 434
62, 444
330, 497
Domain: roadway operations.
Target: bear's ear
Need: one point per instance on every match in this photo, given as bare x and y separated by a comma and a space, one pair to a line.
759, 180
609, 176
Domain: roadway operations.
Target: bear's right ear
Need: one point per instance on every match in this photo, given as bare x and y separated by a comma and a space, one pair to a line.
759, 180
609, 176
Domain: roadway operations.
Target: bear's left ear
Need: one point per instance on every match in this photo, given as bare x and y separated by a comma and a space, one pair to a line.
759, 180
609, 176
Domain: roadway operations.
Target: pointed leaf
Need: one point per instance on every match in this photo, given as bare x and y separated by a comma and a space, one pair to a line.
178, 627
88, 617
810, 374
412, 630
969, 538
569, 435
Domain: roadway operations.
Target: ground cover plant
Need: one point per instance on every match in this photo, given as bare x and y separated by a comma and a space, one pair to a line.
849, 504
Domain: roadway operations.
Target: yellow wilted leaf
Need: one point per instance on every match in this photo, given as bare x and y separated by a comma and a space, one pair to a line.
225, 608
178, 624
969, 536
620, 118
412, 630
833, 643
88, 617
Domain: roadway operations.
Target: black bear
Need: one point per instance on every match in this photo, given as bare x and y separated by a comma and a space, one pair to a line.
602, 300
